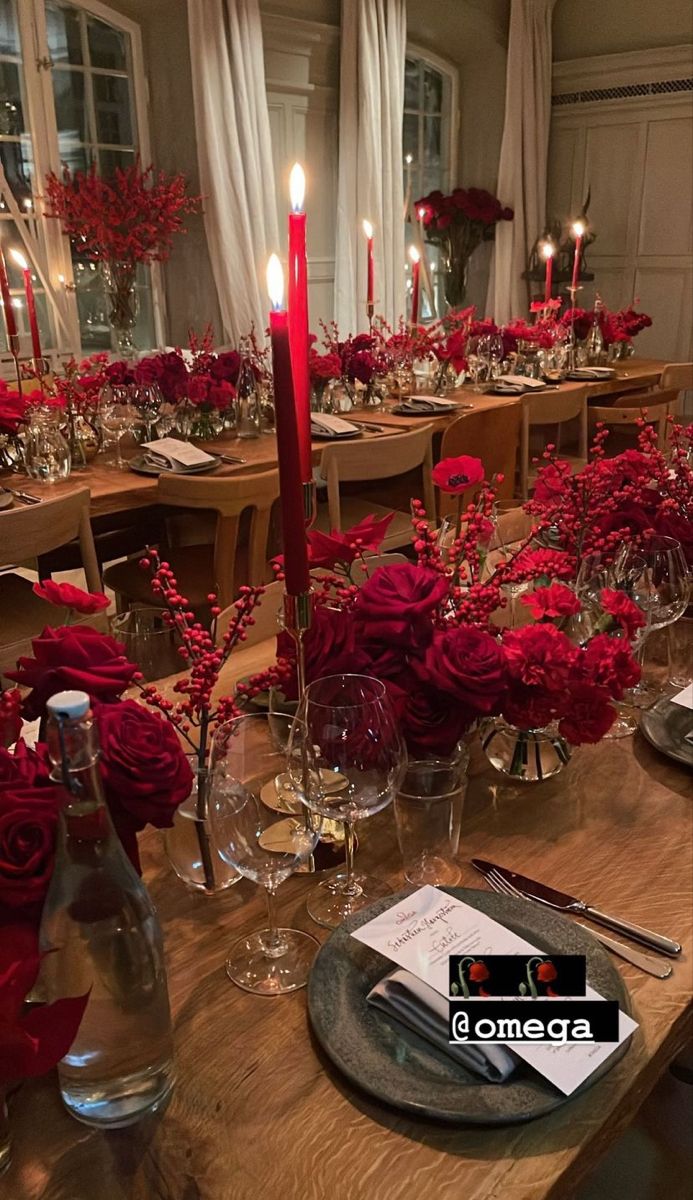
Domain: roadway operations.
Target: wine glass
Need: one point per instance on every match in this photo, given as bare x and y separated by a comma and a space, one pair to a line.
512, 527
148, 400
116, 415
249, 755
661, 589
495, 355
359, 761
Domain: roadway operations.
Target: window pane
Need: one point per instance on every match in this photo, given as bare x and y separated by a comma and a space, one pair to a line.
11, 115
106, 46
9, 34
64, 36
433, 91
410, 136
112, 104
110, 159
68, 89
18, 167
431, 141
72, 154
411, 84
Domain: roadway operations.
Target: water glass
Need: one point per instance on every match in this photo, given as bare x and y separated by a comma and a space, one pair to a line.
150, 641
428, 813
46, 452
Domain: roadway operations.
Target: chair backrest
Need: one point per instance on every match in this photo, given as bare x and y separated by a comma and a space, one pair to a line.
229, 496
677, 375
266, 616
493, 435
551, 408
29, 531
654, 407
377, 458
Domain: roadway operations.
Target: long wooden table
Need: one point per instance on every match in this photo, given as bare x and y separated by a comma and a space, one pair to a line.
259, 1111
114, 491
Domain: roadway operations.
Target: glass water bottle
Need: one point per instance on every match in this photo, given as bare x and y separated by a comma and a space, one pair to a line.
101, 924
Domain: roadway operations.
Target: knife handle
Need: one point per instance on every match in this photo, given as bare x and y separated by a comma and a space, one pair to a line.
655, 940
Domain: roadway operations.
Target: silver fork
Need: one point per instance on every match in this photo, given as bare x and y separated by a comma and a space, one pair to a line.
643, 961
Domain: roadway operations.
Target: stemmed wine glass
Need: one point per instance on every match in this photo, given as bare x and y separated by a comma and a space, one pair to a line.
359, 761
148, 401
250, 755
117, 417
661, 590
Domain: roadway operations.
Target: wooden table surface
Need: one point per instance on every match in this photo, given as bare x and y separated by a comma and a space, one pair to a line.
115, 491
258, 1110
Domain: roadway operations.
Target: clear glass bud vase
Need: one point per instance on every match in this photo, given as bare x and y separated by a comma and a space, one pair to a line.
525, 755
119, 278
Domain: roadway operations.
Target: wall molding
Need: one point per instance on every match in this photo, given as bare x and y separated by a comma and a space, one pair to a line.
636, 68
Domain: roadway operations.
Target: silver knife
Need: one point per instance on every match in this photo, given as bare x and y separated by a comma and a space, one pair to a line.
645, 962
567, 903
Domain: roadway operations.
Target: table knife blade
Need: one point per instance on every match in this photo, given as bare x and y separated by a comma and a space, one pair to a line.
563, 901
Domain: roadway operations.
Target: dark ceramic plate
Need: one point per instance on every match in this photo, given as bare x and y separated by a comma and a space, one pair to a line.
391, 1062
666, 727
321, 435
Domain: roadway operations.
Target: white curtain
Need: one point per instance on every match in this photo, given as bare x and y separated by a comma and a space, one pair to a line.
234, 155
371, 186
523, 157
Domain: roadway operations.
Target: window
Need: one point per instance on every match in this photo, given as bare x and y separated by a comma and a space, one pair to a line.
428, 139
71, 88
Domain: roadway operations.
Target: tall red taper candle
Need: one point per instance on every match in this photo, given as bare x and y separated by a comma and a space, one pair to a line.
298, 318
415, 273
579, 232
370, 285
10, 320
547, 251
30, 304
290, 482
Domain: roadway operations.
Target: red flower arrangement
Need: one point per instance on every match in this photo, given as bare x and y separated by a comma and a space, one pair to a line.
459, 223
130, 217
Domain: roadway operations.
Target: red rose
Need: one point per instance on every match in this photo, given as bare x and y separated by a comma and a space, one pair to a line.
28, 823
430, 724
66, 595
624, 610
468, 664
396, 605
458, 475
591, 715
10, 716
549, 603
631, 517
24, 766
32, 1040
145, 773
539, 656
608, 662
226, 366
72, 656
531, 707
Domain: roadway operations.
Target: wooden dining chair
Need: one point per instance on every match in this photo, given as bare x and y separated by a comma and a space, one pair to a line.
375, 459
25, 534
654, 406
493, 435
677, 375
221, 566
552, 408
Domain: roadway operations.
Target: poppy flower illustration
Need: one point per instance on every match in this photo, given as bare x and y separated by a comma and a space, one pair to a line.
547, 973
479, 973
457, 475
470, 970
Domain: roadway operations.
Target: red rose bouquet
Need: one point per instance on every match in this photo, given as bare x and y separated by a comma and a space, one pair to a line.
458, 223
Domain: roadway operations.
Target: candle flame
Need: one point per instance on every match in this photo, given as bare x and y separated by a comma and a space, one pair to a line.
548, 250
20, 259
275, 282
421, 213
414, 254
578, 228
368, 229
297, 187
409, 160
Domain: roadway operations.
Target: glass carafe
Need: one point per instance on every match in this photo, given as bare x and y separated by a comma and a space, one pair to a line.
46, 452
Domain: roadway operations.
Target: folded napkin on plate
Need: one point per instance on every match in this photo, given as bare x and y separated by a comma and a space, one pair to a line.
427, 404
172, 455
592, 373
517, 384
424, 1010
330, 424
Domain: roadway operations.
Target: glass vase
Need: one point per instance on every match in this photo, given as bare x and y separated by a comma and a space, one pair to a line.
46, 452
190, 844
119, 280
524, 755
455, 269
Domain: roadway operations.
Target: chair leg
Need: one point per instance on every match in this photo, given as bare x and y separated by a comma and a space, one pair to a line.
122, 603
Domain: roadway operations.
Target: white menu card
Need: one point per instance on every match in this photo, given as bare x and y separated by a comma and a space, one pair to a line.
420, 933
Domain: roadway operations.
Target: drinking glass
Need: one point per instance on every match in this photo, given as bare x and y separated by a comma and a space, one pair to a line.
148, 401
428, 813
495, 355
46, 452
359, 760
117, 417
149, 640
249, 755
661, 589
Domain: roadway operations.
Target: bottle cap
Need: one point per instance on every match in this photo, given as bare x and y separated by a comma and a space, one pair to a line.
68, 706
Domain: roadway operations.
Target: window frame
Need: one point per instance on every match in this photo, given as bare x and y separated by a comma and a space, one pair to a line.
49, 251
448, 136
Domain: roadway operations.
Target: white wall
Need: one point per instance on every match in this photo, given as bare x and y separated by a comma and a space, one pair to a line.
582, 28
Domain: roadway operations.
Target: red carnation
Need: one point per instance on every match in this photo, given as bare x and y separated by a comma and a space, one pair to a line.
549, 603
624, 610
66, 595
608, 662
10, 716
458, 475
591, 715
539, 656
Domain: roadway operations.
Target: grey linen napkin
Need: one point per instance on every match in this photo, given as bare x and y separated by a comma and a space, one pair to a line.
424, 1010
